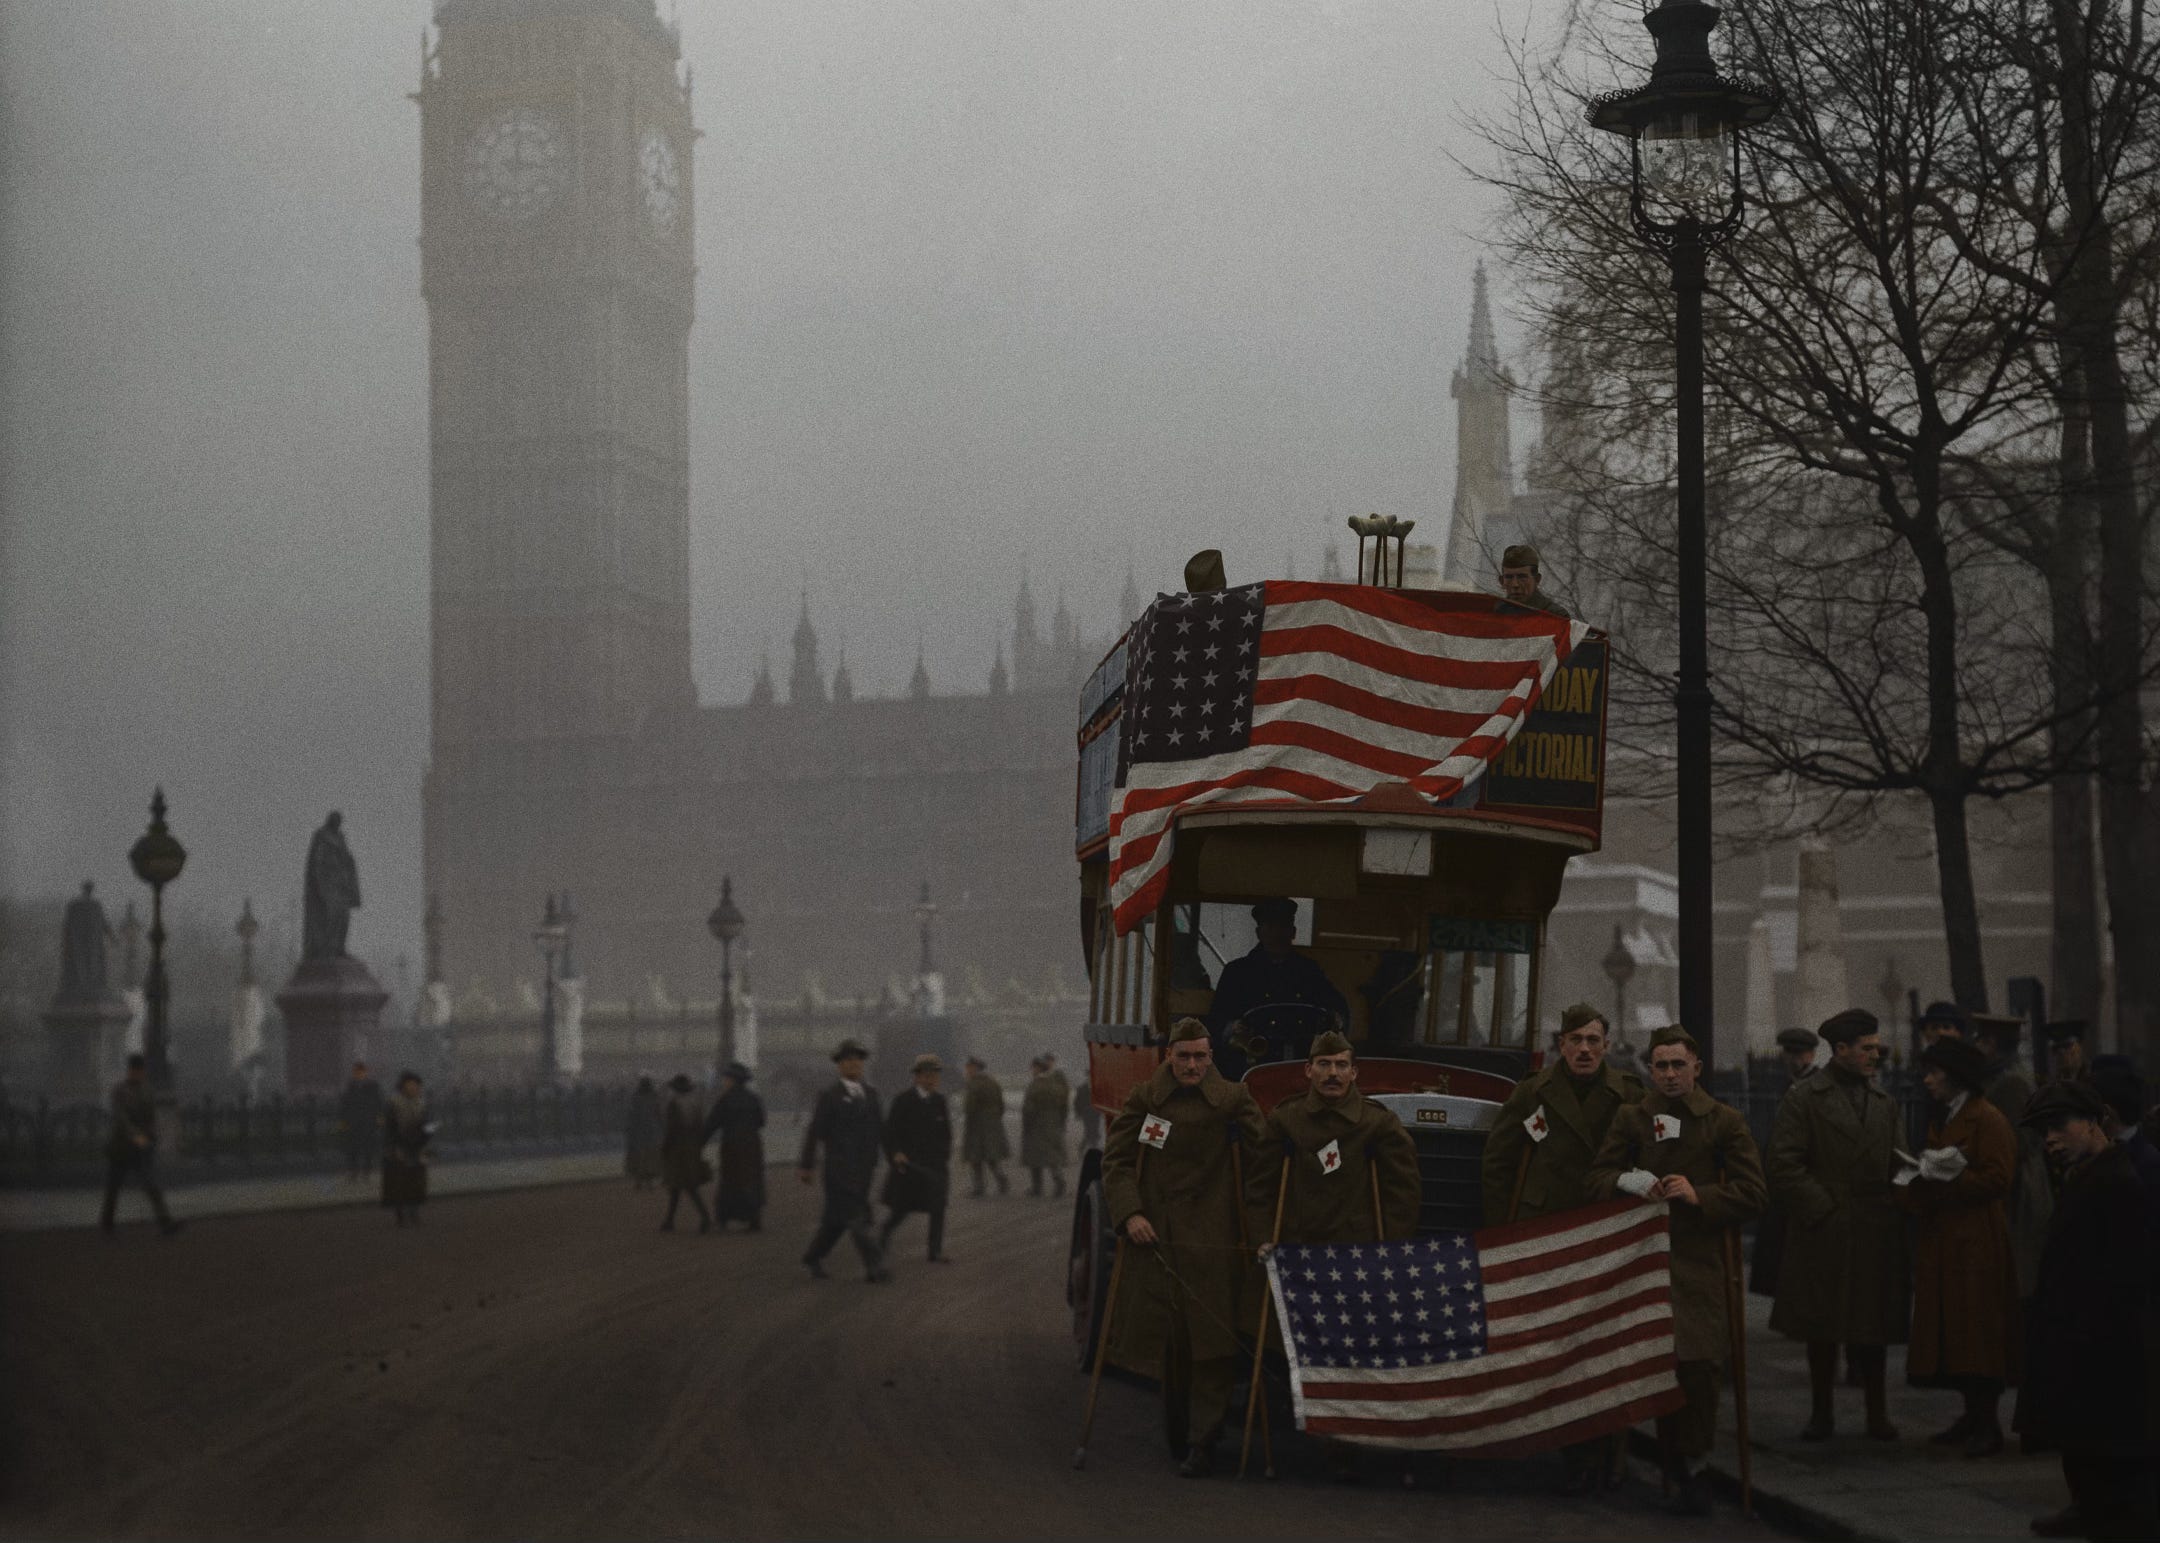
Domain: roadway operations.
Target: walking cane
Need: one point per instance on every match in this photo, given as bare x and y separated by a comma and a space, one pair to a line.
1267, 1301
1102, 1343
1733, 1306
1522, 1172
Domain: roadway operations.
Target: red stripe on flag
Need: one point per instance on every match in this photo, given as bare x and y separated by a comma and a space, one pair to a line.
1467, 616
1392, 711
1449, 1424
1472, 1381
1657, 1291
1466, 674
1608, 1243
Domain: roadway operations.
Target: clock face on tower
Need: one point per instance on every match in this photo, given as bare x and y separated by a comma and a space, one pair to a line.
514, 163
659, 181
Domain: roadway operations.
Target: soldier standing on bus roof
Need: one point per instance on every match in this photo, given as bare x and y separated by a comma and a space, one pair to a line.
982, 1132
1682, 1146
1272, 974
1522, 583
1537, 1161
1170, 1179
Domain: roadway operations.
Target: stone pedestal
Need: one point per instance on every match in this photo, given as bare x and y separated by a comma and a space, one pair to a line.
330, 1007
85, 1048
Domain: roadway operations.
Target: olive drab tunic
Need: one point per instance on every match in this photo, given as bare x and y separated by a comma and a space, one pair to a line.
1332, 1202
1186, 1188
1042, 1121
982, 1113
1577, 1115
1843, 1275
1714, 1152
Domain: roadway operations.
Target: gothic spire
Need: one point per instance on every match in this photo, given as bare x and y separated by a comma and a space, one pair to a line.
1000, 678
919, 683
806, 682
843, 683
1481, 514
761, 691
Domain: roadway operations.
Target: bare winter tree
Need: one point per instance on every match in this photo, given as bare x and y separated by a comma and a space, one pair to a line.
1871, 341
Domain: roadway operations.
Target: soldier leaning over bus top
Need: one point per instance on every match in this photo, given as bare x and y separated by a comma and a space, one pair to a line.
1537, 1161
1523, 584
1682, 1146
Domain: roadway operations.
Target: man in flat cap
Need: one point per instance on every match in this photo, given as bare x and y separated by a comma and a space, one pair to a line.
982, 1135
1537, 1161
1044, 1107
2092, 1355
847, 1122
2010, 1089
1272, 993
1683, 1147
1965, 1332
1170, 1176
1522, 583
1796, 1048
1844, 1277
1341, 1167
918, 1156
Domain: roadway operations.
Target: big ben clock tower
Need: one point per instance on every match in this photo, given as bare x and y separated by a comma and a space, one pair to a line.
557, 265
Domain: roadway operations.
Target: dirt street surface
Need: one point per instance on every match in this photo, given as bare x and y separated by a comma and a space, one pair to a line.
547, 1364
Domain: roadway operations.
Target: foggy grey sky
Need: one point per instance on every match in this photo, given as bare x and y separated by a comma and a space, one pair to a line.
984, 285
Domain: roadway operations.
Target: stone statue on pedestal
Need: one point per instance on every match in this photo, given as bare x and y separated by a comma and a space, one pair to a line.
87, 1021
332, 891
84, 932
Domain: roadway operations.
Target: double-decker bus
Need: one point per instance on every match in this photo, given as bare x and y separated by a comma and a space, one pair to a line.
1428, 917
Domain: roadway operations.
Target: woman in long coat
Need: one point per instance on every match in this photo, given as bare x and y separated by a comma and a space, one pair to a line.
1965, 1332
738, 1119
641, 1142
682, 1152
407, 1131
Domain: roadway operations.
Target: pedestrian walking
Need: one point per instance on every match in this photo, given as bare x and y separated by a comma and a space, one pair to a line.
1844, 1278
360, 1109
918, 1156
682, 1152
1683, 1147
1537, 1161
131, 1147
1796, 1048
738, 1119
1171, 1180
641, 1138
2092, 1357
1965, 1332
848, 1125
982, 1135
1043, 1111
1333, 1167
408, 1135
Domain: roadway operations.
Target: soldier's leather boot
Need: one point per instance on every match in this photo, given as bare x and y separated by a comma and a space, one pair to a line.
1822, 1373
1199, 1461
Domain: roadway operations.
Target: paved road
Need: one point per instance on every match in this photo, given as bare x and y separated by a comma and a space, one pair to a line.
546, 1364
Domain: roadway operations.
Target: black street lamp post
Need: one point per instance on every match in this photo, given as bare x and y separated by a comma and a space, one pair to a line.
549, 937
726, 925
1683, 130
157, 858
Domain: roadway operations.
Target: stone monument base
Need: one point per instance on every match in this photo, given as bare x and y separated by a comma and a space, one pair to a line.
85, 1048
330, 1007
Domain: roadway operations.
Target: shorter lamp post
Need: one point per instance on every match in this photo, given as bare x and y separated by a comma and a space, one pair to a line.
1619, 965
548, 937
726, 925
1892, 992
157, 858
925, 914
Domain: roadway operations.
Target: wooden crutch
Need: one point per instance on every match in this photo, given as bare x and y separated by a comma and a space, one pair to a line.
1522, 1172
1734, 1303
1379, 1221
1102, 1343
1267, 1302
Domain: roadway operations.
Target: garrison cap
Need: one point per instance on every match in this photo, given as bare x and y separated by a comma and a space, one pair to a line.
1187, 1028
2060, 1101
848, 1048
2065, 1029
926, 1062
1520, 555
1573, 1018
1961, 1062
1845, 1027
1204, 573
1673, 1034
1276, 908
1330, 1043
1797, 1040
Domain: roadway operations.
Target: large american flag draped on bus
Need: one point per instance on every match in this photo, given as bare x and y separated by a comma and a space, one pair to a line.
1314, 693
1505, 1341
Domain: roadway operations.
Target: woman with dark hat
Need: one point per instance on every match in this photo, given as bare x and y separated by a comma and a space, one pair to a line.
1965, 1331
738, 1119
641, 1141
682, 1152
407, 1131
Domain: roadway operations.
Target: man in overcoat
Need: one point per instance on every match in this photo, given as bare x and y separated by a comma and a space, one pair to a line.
1683, 1147
738, 1119
1548, 1132
131, 1146
982, 1136
918, 1156
1043, 1109
848, 1124
1171, 1165
360, 1122
682, 1151
2091, 1379
1843, 1278
1796, 1048
1965, 1306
